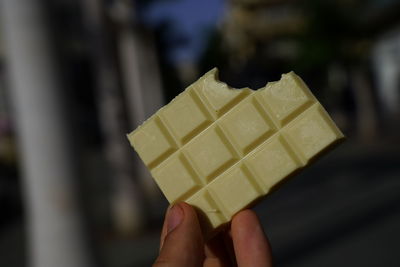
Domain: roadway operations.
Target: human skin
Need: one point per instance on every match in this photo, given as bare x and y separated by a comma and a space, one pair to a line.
182, 244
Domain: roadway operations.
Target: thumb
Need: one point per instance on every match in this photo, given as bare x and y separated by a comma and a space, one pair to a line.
183, 243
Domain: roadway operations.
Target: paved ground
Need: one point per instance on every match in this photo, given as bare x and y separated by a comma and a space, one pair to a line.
343, 211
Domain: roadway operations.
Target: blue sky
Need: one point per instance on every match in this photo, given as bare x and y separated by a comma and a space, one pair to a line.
191, 20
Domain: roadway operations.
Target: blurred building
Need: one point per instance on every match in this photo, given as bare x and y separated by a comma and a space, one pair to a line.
253, 27
321, 40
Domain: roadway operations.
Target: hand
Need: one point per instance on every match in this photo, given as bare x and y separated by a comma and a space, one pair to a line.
182, 244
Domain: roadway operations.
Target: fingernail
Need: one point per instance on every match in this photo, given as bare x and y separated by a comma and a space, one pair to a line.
174, 217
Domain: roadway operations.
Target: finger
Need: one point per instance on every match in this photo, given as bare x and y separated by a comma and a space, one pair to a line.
183, 244
216, 252
164, 228
229, 247
250, 243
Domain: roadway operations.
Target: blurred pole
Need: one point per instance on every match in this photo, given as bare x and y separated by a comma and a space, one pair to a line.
386, 59
367, 120
140, 79
127, 205
54, 224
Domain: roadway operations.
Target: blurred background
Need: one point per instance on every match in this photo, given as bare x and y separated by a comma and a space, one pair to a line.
77, 75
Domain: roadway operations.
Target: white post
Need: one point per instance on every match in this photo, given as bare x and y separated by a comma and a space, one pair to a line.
140, 79
386, 58
54, 224
127, 202
143, 92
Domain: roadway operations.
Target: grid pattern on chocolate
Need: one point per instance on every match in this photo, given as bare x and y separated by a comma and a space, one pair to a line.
225, 148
